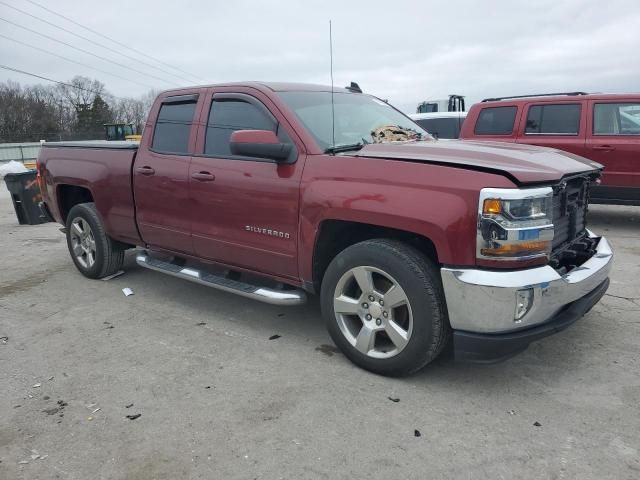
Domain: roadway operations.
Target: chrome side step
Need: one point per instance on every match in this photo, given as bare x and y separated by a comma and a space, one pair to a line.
263, 294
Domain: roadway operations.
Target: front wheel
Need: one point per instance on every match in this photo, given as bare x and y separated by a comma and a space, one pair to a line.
93, 252
384, 307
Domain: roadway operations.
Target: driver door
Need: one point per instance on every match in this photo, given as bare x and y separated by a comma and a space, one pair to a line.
245, 210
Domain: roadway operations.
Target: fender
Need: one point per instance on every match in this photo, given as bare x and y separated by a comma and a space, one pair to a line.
433, 201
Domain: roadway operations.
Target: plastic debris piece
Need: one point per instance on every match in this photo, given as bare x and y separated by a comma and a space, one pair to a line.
537, 424
201, 324
91, 405
416, 433
114, 275
127, 292
23, 462
274, 337
35, 457
36, 385
512, 412
4, 339
394, 399
129, 406
51, 378
43, 457
96, 410
89, 418
133, 417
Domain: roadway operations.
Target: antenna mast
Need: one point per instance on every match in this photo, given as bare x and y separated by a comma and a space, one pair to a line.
333, 112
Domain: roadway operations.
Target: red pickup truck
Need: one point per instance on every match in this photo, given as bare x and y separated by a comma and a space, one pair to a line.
273, 191
602, 127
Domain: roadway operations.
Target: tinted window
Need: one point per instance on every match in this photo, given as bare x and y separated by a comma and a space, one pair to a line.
496, 121
227, 116
616, 119
554, 119
441, 127
173, 126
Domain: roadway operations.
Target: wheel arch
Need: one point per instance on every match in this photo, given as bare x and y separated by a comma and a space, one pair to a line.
68, 196
333, 236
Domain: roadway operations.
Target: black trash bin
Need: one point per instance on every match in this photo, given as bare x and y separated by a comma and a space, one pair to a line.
26, 197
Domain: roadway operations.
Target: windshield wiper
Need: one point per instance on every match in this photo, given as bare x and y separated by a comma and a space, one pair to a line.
344, 148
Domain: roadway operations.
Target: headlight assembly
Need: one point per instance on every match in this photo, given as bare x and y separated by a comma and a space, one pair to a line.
515, 224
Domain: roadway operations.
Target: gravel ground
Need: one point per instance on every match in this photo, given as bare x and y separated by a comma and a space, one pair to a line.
216, 398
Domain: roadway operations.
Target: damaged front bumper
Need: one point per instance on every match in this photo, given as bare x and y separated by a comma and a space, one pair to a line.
486, 307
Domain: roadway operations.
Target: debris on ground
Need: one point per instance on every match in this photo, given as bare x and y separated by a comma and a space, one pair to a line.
109, 277
328, 350
133, 417
207, 387
4, 340
91, 405
129, 406
537, 424
274, 337
23, 462
416, 433
36, 385
281, 314
201, 324
127, 292
393, 399
51, 411
512, 412
96, 410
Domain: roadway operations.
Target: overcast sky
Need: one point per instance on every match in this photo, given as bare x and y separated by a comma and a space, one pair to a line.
403, 51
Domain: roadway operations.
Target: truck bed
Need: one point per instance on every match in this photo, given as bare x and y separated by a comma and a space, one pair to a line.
99, 171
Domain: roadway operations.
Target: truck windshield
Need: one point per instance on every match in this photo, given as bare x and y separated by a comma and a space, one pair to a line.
359, 119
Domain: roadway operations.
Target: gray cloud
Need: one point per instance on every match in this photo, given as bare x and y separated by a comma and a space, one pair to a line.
403, 51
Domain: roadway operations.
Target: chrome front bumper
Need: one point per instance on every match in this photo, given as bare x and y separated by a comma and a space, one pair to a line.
484, 301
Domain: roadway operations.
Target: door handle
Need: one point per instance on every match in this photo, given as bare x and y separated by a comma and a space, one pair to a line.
203, 176
145, 170
604, 148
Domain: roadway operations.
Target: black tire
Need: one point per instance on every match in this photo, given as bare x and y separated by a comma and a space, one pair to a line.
109, 254
419, 277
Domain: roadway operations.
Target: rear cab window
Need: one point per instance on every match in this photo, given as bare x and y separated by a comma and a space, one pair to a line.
496, 121
553, 119
173, 125
616, 119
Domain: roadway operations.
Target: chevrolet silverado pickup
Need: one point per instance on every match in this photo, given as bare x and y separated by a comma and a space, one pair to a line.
276, 191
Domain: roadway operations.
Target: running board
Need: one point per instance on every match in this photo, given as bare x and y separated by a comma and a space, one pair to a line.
263, 294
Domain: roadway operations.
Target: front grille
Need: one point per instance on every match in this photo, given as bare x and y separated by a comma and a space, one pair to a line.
570, 200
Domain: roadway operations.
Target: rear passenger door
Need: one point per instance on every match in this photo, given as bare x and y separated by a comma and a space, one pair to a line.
614, 141
556, 125
161, 174
245, 213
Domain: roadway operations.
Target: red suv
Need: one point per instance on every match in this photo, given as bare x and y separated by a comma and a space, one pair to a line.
603, 127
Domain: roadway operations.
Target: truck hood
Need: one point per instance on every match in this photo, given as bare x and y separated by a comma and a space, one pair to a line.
522, 163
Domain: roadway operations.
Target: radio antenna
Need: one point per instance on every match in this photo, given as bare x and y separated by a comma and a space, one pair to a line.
333, 112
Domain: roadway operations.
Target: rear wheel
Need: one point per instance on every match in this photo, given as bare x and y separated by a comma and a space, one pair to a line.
93, 252
383, 304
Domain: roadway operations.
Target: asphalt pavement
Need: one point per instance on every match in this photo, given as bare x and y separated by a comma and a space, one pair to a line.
181, 381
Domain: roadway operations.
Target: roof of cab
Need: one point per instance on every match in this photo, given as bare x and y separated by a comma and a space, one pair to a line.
273, 86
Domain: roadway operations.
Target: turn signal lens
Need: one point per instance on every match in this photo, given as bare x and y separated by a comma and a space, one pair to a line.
517, 249
492, 206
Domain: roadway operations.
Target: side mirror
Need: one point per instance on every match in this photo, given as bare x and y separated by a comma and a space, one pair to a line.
260, 144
